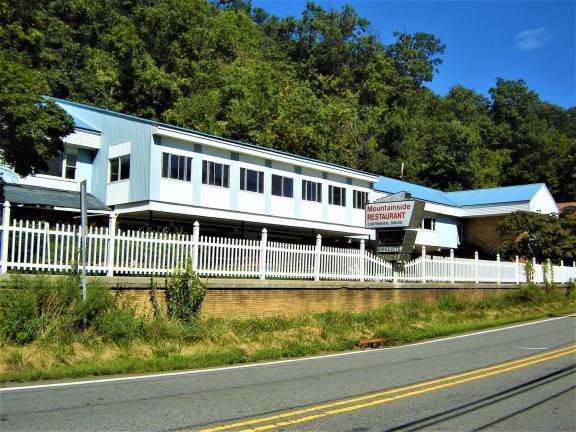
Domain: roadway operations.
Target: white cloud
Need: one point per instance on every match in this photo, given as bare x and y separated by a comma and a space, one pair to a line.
532, 39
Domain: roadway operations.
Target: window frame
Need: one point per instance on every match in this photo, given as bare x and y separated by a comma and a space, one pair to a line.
341, 201
167, 170
432, 224
359, 199
121, 174
283, 181
312, 193
244, 173
210, 174
62, 162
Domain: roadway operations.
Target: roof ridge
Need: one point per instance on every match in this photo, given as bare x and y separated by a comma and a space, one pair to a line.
494, 188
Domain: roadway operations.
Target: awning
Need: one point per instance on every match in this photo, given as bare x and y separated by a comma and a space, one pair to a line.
49, 198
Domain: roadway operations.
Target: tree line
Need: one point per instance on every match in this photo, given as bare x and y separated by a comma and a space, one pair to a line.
319, 85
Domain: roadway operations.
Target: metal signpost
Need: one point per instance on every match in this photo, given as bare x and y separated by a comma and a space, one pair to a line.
83, 224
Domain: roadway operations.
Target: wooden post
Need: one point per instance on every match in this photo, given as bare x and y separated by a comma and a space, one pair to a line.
5, 236
517, 270
263, 243
423, 264
362, 253
550, 272
562, 277
317, 257
111, 242
477, 266
195, 245
498, 270
452, 267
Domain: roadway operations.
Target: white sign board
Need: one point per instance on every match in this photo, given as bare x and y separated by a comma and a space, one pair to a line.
389, 214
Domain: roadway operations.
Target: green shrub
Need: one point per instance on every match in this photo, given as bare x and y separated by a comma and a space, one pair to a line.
571, 290
119, 323
36, 305
527, 294
185, 293
20, 320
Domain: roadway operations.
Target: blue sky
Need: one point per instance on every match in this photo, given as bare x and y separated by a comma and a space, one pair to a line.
531, 40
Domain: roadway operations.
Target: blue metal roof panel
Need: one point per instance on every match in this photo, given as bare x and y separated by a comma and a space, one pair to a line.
390, 185
497, 195
79, 123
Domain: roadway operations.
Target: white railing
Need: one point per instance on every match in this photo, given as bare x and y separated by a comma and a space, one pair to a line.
38, 246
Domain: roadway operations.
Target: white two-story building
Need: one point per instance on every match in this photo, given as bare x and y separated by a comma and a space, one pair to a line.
149, 172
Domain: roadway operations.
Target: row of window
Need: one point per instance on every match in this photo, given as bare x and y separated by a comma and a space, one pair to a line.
216, 174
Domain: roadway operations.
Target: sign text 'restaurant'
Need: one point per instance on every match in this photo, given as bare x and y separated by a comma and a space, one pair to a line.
389, 215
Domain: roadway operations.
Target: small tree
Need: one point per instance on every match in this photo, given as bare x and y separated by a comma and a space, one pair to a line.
185, 293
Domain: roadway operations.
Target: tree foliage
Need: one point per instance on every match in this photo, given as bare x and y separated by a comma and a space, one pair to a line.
535, 235
320, 84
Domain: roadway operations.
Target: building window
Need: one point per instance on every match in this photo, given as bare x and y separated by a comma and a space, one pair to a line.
282, 186
337, 196
360, 199
120, 168
176, 167
428, 224
311, 191
63, 165
251, 180
215, 174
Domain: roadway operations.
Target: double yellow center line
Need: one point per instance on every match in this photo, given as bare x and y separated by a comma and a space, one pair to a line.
315, 412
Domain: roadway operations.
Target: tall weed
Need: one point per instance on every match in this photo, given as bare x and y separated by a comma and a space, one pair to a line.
185, 293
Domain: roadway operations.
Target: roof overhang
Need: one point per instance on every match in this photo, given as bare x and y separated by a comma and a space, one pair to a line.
48, 198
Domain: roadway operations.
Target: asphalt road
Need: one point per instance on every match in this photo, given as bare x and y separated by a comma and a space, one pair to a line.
516, 378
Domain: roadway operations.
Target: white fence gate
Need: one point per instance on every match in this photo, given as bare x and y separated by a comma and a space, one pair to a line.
37, 246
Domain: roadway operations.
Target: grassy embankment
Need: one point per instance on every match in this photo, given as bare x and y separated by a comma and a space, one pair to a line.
46, 332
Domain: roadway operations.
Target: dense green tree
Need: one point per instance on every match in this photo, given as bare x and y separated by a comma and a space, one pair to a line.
416, 56
534, 235
319, 84
31, 127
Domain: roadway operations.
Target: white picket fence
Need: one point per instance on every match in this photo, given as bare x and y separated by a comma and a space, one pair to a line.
37, 246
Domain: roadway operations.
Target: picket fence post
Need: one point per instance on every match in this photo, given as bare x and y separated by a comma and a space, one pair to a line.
499, 270
111, 242
362, 251
5, 236
534, 269
263, 244
561, 277
317, 257
517, 270
452, 267
477, 266
195, 245
423, 264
